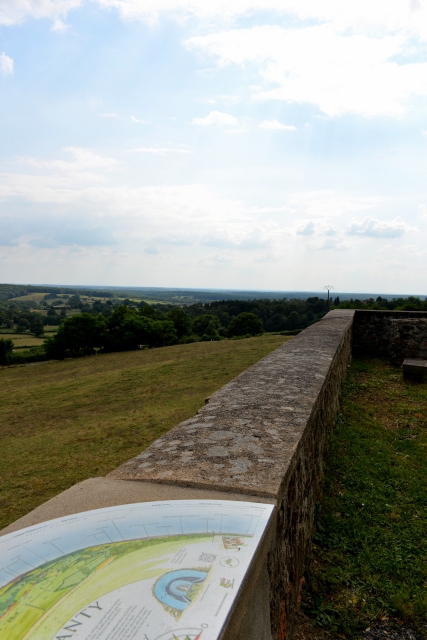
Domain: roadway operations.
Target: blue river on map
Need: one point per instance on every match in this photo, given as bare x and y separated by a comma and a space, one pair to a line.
172, 588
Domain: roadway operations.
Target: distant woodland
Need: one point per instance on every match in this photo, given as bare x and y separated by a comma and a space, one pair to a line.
74, 322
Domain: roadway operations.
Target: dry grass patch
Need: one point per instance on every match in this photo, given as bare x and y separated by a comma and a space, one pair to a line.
31, 297
22, 339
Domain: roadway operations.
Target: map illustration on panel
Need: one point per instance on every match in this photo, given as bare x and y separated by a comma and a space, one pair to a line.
145, 571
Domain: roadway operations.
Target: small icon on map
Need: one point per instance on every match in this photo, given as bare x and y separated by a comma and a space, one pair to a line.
228, 561
183, 634
176, 589
232, 542
207, 557
227, 583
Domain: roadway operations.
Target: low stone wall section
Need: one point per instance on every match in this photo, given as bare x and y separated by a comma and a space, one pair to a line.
372, 331
264, 434
408, 339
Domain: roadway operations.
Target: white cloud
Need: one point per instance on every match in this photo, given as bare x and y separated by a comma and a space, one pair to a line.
351, 73
6, 65
275, 124
161, 151
380, 228
216, 118
333, 244
16, 11
393, 264
242, 238
82, 160
109, 115
379, 17
59, 26
386, 247
422, 212
137, 120
364, 15
306, 229
328, 204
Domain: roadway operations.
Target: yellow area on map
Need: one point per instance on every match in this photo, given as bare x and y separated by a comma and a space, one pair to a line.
38, 603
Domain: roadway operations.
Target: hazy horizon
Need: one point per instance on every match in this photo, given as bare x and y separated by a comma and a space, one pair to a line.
320, 292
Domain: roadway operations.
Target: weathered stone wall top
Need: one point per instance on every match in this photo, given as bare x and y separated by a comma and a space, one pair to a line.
246, 436
372, 329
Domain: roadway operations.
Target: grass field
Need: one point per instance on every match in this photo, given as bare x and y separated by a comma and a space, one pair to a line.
370, 555
63, 422
31, 297
22, 339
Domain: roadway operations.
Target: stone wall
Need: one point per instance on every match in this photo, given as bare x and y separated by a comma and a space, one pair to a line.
264, 434
372, 331
408, 339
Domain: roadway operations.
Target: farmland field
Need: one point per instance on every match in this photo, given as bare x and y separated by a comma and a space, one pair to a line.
63, 422
22, 339
31, 297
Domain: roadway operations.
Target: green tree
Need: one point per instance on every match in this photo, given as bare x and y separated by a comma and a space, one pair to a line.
293, 321
245, 323
276, 323
181, 321
147, 311
6, 348
23, 325
4, 319
37, 326
77, 336
207, 325
128, 329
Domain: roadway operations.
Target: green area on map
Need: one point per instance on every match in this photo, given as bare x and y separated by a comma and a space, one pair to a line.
37, 603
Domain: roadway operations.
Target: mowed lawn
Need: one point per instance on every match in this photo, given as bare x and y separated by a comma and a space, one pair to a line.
63, 422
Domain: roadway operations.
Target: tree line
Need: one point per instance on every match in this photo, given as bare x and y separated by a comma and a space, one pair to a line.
116, 325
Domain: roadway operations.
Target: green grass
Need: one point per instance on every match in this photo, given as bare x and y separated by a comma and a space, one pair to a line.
370, 553
63, 422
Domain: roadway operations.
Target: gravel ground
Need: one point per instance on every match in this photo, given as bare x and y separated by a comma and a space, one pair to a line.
381, 630
389, 630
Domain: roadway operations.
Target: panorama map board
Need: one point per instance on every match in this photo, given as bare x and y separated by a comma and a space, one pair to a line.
145, 571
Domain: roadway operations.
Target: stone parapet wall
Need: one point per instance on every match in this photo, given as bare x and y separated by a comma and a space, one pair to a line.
264, 434
408, 339
373, 329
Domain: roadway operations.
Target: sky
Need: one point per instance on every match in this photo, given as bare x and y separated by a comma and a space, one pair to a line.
246, 144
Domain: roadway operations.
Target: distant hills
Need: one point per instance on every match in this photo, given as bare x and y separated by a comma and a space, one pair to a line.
180, 296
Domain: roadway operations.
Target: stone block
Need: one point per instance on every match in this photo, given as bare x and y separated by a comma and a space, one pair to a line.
414, 370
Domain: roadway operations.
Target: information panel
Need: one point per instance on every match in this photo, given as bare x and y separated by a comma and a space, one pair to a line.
145, 571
